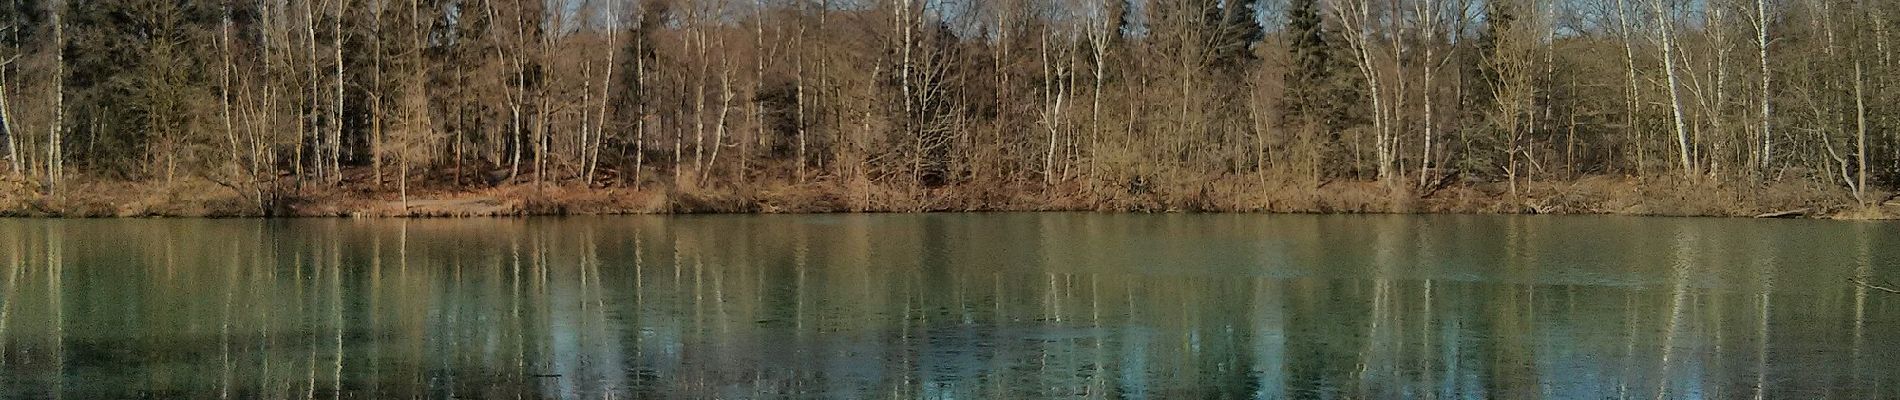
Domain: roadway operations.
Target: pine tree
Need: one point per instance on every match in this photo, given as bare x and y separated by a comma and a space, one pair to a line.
1235, 29
1311, 62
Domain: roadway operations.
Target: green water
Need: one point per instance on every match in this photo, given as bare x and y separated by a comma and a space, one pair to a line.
950, 306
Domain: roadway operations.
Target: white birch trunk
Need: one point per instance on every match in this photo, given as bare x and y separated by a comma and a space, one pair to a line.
17, 165
606, 85
55, 168
224, 92
1675, 98
1767, 155
336, 131
1633, 97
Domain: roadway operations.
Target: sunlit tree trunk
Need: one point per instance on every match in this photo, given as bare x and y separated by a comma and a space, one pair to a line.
262, 154
906, 25
1356, 18
696, 40
640, 117
1055, 91
55, 168
1633, 94
1665, 37
1430, 15
318, 162
224, 92
517, 95
1767, 154
543, 110
1860, 131
800, 98
336, 112
606, 83
1717, 29
1104, 25
8, 126
726, 95
758, 83
585, 133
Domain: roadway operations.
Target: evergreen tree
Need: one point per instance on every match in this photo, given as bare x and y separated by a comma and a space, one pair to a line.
1311, 61
1234, 28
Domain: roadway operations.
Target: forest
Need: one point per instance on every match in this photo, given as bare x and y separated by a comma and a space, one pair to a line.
319, 107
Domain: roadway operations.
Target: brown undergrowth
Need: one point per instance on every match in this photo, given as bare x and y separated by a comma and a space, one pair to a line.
1661, 196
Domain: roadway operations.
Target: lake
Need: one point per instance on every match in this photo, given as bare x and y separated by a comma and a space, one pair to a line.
950, 306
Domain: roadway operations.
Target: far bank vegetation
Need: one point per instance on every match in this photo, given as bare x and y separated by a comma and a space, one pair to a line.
449, 107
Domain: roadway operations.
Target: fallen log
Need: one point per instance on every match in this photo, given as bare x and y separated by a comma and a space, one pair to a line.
1784, 214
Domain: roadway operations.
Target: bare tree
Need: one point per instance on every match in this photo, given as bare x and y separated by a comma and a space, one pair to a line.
1357, 19
1766, 155
1664, 35
55, 159
1057, 57
1512, 60
592, 159
1435, 18
224, 91
1626, 29
897, 104
8, 126
336, 109
1104, 25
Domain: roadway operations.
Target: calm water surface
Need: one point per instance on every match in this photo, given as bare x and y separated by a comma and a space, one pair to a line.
950, 306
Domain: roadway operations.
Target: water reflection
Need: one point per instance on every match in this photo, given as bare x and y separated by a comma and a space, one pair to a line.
948, 306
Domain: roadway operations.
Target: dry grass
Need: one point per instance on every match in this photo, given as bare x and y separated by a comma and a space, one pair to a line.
109, 198
1671, 196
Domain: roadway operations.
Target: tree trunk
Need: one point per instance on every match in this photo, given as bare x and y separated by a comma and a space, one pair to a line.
758, 81
224, 92
377, 133
1717, 32
315, 156
800, 99
336, 131
1860, 132
1428, 16
1100, 33
640, 121
699, 98
1633, 97
1356, 19
587, 119
55, 168
1675, 99
515, 97
10, 127
1052, 93
606, 84
1767, 155
726, 96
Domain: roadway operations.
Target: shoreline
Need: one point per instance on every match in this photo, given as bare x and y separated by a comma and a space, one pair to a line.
1591, 195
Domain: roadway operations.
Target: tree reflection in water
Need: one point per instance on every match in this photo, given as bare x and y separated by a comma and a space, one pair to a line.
947, 306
